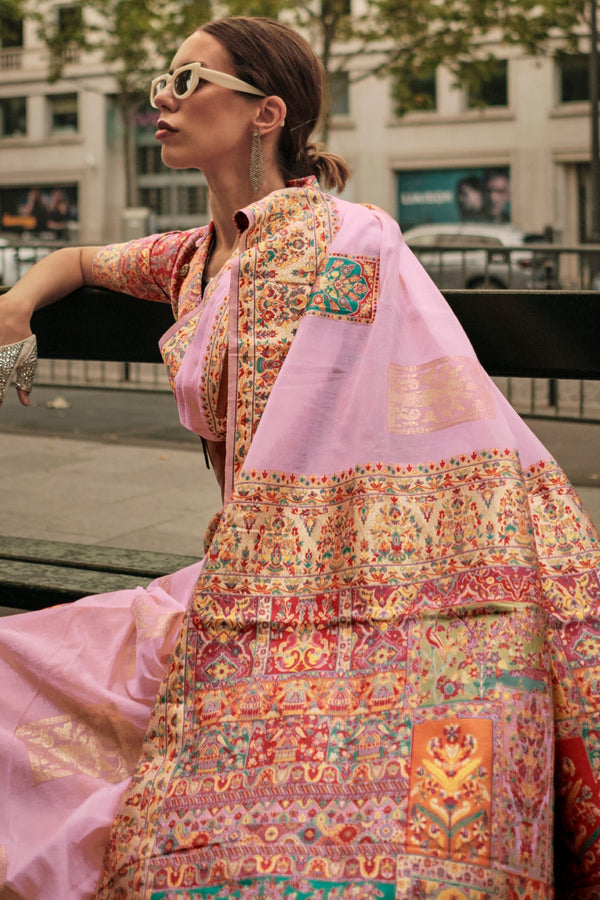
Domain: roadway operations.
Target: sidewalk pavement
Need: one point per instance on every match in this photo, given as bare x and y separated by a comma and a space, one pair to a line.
115, 468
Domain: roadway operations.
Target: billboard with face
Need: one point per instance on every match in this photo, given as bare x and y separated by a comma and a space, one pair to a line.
453, 195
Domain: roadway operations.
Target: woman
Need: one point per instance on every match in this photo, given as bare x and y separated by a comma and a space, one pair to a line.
380, 681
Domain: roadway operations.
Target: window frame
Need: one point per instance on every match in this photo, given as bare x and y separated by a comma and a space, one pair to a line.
565, 58
22, 113
62, 131
481, 96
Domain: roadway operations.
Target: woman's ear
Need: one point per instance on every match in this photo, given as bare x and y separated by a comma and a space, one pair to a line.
271, 115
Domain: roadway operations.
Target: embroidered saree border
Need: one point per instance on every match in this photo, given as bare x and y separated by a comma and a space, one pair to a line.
277, 268
394, 684
372, 523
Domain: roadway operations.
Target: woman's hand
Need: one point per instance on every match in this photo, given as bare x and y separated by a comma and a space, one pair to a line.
48, 280
15, 328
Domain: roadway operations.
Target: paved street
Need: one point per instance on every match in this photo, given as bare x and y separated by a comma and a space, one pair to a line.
115, 467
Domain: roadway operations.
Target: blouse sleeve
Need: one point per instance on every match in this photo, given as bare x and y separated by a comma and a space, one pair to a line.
152, 267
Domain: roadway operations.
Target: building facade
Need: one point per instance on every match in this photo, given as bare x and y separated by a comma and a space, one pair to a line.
523, 157
531, 144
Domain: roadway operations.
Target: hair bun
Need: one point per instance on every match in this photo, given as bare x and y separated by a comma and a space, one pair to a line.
330, 169
313, 151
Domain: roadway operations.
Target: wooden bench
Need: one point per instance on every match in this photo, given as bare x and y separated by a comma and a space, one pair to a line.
541, 334
35, 574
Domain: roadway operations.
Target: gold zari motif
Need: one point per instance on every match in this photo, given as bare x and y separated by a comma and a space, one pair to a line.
444, 392
149, 625
97, 743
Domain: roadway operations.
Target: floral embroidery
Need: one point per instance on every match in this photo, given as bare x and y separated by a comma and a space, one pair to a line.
347, 287
390, 698
578, 798
174, 348
276, 272
450, 794
153, 267
213, 372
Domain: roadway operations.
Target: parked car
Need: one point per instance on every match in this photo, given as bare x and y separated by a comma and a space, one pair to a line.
16, 259
473, 255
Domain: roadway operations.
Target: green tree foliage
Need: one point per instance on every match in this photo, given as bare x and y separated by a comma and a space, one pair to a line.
424, 34
408, 39
133, 38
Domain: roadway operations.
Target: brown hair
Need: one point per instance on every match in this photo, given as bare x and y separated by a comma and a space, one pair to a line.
277, 60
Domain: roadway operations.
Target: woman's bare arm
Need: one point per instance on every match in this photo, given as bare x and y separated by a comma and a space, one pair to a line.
53, 277
50, 279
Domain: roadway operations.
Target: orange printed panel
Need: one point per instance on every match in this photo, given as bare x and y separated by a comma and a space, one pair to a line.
450, 790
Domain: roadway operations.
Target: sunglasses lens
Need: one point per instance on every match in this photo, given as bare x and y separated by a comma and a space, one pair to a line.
158, 86
182, 82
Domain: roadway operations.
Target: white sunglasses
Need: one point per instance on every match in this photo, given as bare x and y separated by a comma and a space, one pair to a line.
185, 80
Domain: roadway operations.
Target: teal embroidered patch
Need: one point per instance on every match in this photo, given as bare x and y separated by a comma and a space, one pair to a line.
347, 287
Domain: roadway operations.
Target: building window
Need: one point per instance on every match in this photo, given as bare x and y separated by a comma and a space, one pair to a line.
179, 200
339, 90
490, 88
11, 41
66, 40
64, 117
70, 19
13, 116
191, 200
416, 92
156, 199
149, 160
574, 77
11, 30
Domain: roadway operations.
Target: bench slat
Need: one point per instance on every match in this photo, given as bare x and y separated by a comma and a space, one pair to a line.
29, 586
93, 557
35, 574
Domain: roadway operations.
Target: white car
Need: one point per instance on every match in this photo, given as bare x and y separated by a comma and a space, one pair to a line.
15, 260
473, 255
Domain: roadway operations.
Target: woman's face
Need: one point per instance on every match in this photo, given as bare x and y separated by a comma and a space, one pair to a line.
211, 129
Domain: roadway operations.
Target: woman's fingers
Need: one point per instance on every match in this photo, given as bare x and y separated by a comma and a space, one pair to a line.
24, 396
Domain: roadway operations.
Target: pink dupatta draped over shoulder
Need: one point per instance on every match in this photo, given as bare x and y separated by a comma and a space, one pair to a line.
385, 682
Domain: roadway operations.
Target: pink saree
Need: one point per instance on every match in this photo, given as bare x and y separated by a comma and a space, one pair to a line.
78, 682
385, 680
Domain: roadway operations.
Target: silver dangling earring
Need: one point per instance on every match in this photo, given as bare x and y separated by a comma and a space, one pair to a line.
257, 164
